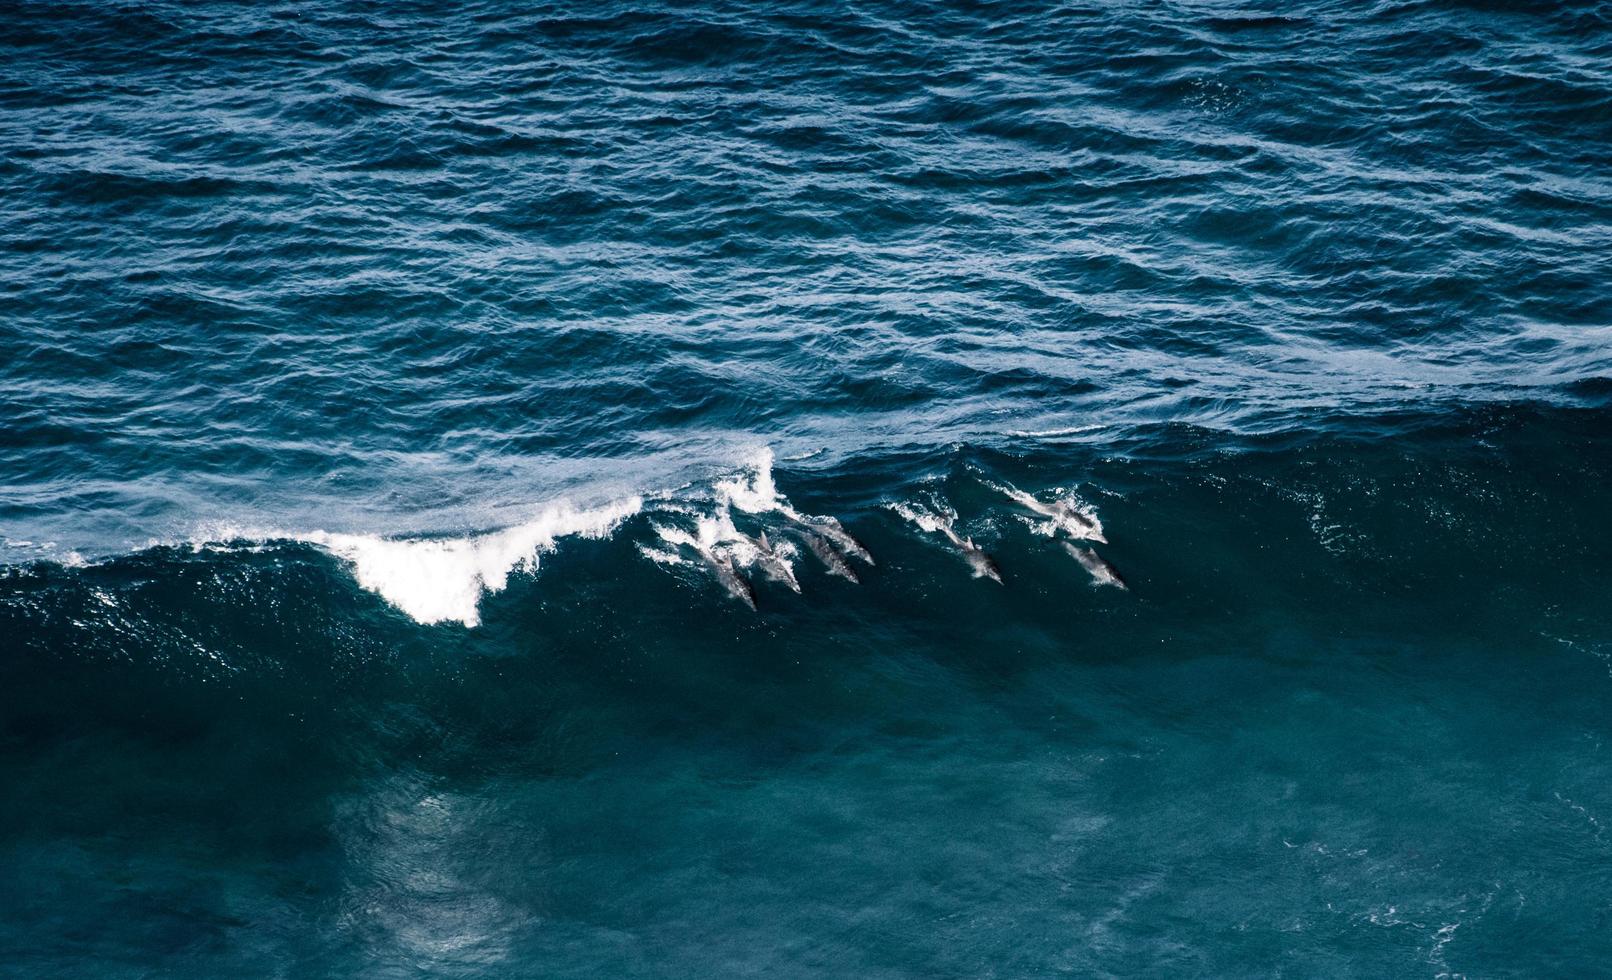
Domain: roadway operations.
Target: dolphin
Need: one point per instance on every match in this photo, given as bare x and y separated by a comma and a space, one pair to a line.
773, 564
1102, 572
1062, 514
984, 565
831, 559
721, 565
834, 531
725, 574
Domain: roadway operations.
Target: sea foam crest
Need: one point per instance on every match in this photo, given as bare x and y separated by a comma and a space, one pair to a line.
753, 489
435, 580
933, 516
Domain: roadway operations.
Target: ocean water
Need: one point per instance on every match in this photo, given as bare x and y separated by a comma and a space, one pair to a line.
805, 489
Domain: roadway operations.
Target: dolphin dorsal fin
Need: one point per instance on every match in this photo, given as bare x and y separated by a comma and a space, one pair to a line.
763, 539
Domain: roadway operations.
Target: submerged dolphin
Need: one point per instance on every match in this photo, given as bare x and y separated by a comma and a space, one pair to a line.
831, 559
834, 531
1061, 513
984, 565
773, 564
1102, 571
737, 587
721, 565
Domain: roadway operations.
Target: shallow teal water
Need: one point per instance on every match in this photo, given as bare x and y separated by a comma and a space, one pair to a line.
392, 403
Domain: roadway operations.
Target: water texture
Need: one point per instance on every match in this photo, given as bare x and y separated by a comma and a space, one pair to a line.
795, 489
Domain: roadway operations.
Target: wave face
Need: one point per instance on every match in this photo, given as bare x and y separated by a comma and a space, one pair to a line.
805, 489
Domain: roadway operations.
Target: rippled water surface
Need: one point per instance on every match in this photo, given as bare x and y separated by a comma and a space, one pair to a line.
802, 489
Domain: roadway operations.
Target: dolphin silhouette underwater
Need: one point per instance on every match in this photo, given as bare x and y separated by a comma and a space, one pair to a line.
1102, 570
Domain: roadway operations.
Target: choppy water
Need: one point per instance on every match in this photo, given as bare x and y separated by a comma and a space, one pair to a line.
393, 400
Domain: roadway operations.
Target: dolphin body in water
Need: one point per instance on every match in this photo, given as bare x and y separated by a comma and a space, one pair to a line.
721, 565
983, 565
824, 535
1061, 513
834, 531
773, 564
938, 520
1102, 571
824, 550
828, 532
729, 578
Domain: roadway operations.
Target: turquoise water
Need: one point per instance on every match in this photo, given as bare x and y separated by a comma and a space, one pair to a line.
807, 490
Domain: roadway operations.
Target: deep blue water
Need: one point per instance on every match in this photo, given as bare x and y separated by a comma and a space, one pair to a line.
393, 400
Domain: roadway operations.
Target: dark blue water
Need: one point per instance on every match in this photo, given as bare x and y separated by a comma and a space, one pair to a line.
1166, 448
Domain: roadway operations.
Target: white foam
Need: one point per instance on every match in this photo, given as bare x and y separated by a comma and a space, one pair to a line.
674, 535
661, 556
1069, 430
714, 536
44, 550
938, 521
437, 580
752, 489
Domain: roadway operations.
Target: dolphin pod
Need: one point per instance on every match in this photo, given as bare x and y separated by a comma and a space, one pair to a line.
726, 550
1065, 515
1078, 523
764, 554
